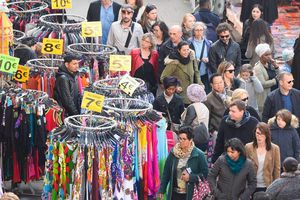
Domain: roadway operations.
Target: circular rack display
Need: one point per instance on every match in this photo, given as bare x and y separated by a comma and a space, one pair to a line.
90, 123
18, 35
26, 6
45, 63
93, 49
62, 20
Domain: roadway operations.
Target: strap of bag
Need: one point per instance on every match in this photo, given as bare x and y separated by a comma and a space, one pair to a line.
201, 55
129, 35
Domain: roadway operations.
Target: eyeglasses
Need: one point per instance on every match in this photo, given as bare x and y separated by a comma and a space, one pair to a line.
224, 36
230, 71
291, 81
198, 29
126, 11
245, 99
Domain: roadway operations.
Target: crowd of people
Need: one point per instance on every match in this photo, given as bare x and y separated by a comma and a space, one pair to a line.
224, 99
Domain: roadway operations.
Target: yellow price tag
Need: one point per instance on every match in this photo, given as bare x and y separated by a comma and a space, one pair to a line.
61, 4
8, 64
120, 63
52, 46
92, 101
22, 74
91, 29
128, 84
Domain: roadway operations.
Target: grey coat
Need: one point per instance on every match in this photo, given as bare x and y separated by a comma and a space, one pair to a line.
232, 186
287, 187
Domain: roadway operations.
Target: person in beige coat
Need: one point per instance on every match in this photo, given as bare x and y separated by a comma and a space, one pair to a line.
265, 157
183, 65
265, 70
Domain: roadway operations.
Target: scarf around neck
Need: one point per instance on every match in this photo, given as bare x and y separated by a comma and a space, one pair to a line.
177, 56
235, 166
179, 153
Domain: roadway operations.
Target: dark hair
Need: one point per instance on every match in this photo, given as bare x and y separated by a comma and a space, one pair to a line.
290, 164
29, 41
181, 44
204, 4
223, 27
211, 79
258, 29
144, 18
69, 57
170, 81
256, 6
265, 130
239, 104
188, 130
261, 196
163, 27
285, 115
138, 3
236, 145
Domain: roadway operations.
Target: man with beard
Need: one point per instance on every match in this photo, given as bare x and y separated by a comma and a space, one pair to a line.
125, 34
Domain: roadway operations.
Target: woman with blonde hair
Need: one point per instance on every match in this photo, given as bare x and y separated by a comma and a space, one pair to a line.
265, 157
227, 70
144, 62
242, 94
187, 24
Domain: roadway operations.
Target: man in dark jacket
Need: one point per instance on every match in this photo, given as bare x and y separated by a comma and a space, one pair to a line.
238, 124
283, 97
66, 91
170, 45
105, 11
224, 49
26, 50
210, 19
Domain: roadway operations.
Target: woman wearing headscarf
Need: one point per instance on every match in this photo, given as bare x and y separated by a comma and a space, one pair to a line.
185, 163
265, 70
232, 176
197, 115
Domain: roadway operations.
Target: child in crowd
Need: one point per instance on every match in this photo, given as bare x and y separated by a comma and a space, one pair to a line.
250, 83
170, 103
287, 57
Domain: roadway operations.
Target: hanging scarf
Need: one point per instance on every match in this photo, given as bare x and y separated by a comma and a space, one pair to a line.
177, 56
180, 154
235, 166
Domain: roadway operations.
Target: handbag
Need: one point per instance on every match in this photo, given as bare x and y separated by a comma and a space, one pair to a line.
202, 190
174, 127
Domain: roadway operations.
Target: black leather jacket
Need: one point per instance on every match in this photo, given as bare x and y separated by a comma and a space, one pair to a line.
66, 91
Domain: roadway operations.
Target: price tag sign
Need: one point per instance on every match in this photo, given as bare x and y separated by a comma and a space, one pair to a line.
61, 4
91, 29
92, 101
52, 46
22, 74
128, 84
119, 63
8, 64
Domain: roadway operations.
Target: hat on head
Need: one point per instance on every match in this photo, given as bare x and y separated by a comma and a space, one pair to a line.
261, 49
196, 93
287, 55
127, 7
290, 164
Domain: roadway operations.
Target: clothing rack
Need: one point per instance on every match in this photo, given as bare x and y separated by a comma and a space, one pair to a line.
21, 7
45, 63
95, 58
18, 35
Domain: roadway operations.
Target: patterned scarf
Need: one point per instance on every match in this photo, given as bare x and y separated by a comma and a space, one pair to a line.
180, 154
235, 166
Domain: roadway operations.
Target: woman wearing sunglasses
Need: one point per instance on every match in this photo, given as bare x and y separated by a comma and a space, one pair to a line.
227, 70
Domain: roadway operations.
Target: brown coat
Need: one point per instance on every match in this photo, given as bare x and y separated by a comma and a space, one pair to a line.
271, 164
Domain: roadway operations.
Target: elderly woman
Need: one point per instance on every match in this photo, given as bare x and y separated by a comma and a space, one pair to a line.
144, 62
197, 115
265, 70
265, 156
227, 70
232, 176
184, 165
201, 46
288, 185
242, 94
183, 65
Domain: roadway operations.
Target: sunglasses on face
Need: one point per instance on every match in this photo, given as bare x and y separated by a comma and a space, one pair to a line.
291, 81
230, 71
224, 36
126, 11
245, 99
